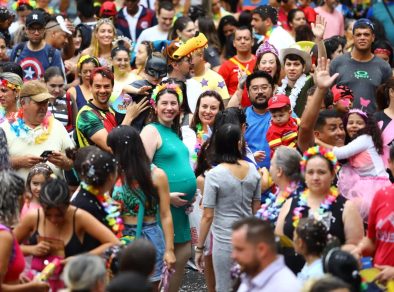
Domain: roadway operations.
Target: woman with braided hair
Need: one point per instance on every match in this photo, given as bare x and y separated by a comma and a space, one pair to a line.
12, 261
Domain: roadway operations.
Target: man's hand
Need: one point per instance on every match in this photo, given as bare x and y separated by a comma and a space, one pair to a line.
319, 27
26, 161
135, 109
259, 156
60, 160
322, 74
242, 75
386, 273
143, 90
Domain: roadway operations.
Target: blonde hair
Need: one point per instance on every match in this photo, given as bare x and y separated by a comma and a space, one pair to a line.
94, 45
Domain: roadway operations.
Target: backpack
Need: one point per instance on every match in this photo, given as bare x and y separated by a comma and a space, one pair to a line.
20, 47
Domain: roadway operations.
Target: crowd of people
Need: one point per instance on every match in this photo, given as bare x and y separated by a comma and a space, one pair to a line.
250, 141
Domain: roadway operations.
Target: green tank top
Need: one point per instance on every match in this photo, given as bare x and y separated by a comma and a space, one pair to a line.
173, 158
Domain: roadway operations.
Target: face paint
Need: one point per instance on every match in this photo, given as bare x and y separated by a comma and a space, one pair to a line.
156, 67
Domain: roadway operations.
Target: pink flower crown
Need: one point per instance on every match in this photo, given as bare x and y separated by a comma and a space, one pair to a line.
359, 112
164, 86
322, 151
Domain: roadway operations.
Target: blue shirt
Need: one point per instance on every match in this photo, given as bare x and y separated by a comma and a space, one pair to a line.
255, 135
34, 63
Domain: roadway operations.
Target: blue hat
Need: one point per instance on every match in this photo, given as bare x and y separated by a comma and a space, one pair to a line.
363, 23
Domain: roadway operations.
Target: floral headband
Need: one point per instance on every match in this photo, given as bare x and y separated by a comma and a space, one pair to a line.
10, 85
87, 57
382, 51
319, 150
165, 86
266, 47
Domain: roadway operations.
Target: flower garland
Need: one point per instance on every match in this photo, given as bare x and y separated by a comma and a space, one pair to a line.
164, 86
111, 207
201, 137
324, 206
319, 150
10, 85
32, 136
295, 91
272, 205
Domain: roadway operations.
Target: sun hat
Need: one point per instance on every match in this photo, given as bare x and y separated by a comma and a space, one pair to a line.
36, 90
297, 50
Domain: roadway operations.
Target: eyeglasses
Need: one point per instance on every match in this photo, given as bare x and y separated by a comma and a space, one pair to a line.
35, 29
257, 88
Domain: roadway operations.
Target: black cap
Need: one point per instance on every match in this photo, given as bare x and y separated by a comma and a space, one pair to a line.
5, 14
36, 17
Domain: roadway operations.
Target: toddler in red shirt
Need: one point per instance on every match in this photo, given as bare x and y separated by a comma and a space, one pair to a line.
283, 129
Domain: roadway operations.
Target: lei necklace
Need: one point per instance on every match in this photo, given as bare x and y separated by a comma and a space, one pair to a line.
295, 91
111, 207
324, 206
32, 136
271, 207
201, 138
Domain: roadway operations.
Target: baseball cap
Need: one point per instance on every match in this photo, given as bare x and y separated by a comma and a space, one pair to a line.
36, 17
36, 90
59, 22
108, 8
278, 101
363, 22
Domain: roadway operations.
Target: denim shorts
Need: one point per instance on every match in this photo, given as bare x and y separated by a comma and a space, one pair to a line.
153, 233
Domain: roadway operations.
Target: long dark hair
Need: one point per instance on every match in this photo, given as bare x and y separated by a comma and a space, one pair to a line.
227, 147
207, 27
225, 20
371, 128
134, 163
176, 125
278, 66
383, 94
196, 118
231, 115
179, 24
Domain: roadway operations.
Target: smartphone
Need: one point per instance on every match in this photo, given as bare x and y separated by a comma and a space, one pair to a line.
46, 153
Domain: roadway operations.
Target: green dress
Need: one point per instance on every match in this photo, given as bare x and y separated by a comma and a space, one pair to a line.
173, 158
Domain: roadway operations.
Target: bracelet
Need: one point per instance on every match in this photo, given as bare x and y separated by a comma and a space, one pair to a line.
199, 249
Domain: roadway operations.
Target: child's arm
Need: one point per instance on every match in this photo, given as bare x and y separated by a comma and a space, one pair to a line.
357, 146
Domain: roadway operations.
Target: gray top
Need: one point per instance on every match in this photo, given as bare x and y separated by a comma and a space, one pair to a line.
361, 77
230, 197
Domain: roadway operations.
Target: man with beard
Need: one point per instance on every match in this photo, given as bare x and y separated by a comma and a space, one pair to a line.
254, 249
35, 135
361, 70
96, 119
35, 56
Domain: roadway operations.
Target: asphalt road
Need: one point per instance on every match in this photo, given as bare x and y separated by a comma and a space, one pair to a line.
193, 281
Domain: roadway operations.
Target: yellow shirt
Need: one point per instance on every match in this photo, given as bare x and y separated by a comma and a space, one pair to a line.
213, 81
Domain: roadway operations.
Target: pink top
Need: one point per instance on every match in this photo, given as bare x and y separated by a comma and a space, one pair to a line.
336, 25
16, 263
27, 206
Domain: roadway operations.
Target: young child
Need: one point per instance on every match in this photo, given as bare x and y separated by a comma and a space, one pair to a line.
342, 98
37, 176
310, 239
283, 129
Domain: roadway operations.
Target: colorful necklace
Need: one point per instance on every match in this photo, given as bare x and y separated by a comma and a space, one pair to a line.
111, 207
324, 206
201, 137
32, 136
272, 205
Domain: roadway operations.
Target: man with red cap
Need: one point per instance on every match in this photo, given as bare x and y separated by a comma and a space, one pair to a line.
283, 129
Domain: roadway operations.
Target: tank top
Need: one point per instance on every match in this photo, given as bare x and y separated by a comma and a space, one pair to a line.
73, 247
80, 98
173, 158
16, 263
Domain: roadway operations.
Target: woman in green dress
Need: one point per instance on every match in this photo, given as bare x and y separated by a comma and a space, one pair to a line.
166, 150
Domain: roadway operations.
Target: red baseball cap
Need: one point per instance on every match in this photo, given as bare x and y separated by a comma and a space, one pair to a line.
108, 8
278, 101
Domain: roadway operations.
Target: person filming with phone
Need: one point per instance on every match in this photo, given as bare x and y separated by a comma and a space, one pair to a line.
35, 135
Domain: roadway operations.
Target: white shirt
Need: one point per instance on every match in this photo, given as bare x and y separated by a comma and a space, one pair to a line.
151, 34
312, 271
132, 21
58, 140
274, 278
280, 38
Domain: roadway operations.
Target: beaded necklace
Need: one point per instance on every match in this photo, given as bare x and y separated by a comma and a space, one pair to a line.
324, 206
32, 136
111, 207
272, 205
